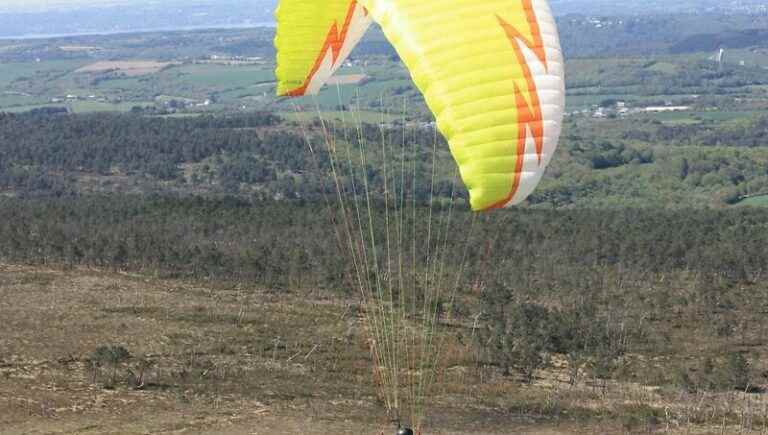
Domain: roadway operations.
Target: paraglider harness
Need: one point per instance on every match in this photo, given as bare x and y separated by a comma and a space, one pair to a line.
404, 431
401, 430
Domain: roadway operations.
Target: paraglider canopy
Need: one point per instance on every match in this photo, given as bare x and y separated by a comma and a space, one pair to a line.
491, 72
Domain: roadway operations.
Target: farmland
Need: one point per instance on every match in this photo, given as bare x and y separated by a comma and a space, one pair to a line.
127, 68
234, 84
233, 69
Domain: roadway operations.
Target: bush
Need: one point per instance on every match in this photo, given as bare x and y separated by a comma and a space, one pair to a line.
110, 357
730, 372
737, 372
516, 335
635, 417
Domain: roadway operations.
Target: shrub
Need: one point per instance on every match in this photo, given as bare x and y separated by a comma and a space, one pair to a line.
111, 357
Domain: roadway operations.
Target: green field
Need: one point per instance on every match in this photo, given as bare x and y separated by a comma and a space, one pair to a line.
349, 117
30, 71
755, 57
32, 85
83, 106
755, 201
693, 117
218, 76
716, 94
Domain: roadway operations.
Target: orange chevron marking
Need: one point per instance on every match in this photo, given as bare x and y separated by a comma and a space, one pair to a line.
529, 110
334, 42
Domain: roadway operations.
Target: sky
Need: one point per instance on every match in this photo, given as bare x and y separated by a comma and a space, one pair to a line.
58, 4
40, 3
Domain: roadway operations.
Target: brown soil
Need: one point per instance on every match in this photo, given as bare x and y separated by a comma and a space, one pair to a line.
226, 360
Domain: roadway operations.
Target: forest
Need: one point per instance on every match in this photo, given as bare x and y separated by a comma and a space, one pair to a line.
645, 273
262, 155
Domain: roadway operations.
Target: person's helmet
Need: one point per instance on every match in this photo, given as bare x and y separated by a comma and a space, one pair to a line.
404, 431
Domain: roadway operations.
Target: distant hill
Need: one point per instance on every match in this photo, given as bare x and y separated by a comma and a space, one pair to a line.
640, 7
70, 17
559, 6
713, 41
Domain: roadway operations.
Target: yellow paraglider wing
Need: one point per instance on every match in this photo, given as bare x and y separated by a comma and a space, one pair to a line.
313, 40
491, 71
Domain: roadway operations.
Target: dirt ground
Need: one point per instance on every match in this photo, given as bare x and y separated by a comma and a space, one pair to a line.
218, 361
51, 321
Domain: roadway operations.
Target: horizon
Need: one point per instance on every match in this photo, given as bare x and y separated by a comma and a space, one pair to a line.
40, 19
51, 5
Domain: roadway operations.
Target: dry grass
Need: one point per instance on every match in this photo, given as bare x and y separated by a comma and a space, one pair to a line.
238, 360
130, 68
348, 79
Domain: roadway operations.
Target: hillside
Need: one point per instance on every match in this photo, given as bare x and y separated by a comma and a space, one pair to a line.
748, 38
140, 315
655, 7
639, 161
184, 252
